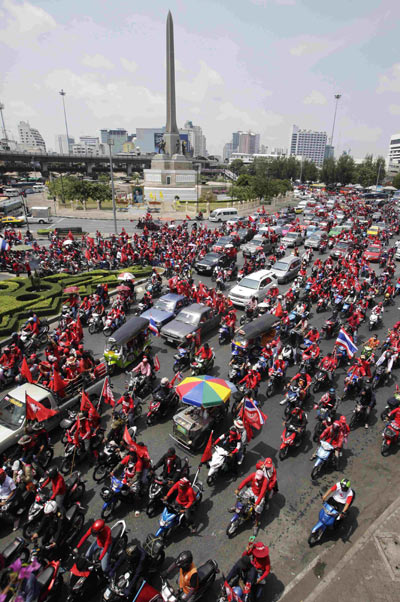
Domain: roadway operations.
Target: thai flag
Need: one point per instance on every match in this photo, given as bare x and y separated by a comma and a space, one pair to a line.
153, 327
253, 414
345, 340
4, 246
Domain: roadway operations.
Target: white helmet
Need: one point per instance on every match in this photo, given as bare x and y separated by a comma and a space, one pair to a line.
50, 507
164, 381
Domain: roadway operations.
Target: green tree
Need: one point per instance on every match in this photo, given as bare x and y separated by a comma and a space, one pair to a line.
237, 166
365, 172
310, 171
380, 170
345, 169
244, 180
396, 181
328, 171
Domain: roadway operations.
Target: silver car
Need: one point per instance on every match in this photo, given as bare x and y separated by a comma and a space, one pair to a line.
286, 268
292, 239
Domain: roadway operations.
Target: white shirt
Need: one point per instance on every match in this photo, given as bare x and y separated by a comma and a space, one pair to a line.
6, 488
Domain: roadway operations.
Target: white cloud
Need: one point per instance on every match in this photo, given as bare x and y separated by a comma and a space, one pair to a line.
360, 132
394, 109
315, 98
21, 110
23, 23
311, 46
279, 2
390, 82
196, 89
270, 119
128, 65
241, 119
97, 61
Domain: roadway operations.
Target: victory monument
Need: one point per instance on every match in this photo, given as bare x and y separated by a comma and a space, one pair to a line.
171, 174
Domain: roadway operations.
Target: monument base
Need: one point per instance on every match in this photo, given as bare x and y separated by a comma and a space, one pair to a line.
152, 193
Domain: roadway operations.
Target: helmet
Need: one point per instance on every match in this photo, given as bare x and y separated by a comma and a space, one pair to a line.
336, 425
98, 525
345, 484
259, 475
342, 419
164, 381
260, 550
239, 424
171, 451
53, 472
268, 463
24, 440
184, 483
50, 507
16, 465
332, 391
130, 550
184, 560
237, 591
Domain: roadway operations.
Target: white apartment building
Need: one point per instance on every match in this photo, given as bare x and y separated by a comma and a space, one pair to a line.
393, 158
196, 138
30, 138
308, 144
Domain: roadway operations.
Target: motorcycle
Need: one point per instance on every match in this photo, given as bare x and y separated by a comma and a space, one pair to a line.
200, 366
274, 382
287, 354
18, 548
321, 379
83, 583
172, 518
374, 321
155, 289
244, 511
327, 519
159, 487
107, 459
182, 360
329, 328
110, 325
206, 572
95, 323
140, 385
221, 462
352, 385
322, 304
291, 399
291, 436
391, 404
380, 377
390, 436
160, 408
117, 492
66, 424
224, 334
74, 452
358, 415
325, 456
325, 417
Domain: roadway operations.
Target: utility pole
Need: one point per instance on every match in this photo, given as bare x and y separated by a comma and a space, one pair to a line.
2, 121
63, 94
337, 98
110, 144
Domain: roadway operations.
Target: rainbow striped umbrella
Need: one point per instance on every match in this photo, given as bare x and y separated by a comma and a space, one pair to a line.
203, 391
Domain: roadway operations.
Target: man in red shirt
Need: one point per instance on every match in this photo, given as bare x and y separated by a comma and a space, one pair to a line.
257, 485
59, 488
185, 498
103, 542
328, 364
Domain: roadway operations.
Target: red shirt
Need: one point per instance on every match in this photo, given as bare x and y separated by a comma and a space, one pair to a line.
259, 488
58, 486
185, 497
103, 539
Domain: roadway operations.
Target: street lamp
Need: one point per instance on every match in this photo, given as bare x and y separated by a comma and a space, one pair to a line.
63, 94
2, 121
337, 98
110, 144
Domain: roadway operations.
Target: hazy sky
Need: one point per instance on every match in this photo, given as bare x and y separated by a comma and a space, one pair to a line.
240, 64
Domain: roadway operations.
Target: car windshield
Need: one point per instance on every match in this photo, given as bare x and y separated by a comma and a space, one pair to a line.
224, 240
12, 412
211, 256
342, 245
281, 266
164, 305
374, 249
315, 237
291, 235
249, 283
188, 317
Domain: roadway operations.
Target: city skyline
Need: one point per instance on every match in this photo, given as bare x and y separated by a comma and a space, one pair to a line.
112, 76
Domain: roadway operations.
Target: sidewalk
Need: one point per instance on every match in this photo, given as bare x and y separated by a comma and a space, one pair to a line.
368, 572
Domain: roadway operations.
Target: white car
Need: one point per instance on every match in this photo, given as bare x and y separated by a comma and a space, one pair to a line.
256, 285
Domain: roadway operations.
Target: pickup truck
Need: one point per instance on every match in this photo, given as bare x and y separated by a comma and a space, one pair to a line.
13, 405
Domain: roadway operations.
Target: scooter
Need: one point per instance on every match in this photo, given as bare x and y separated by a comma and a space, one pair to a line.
207, 573
16, 549
160, 409
200, 366
325, 454
391, 404
291, 399
390, 436
327, 518
107, 459
95, 323
221, 462
224, 334
182, 360
291, 437
374, 320
244, 511
320, 380
274, 382
159, 488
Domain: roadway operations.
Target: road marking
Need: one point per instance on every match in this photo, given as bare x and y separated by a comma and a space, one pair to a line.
60, 220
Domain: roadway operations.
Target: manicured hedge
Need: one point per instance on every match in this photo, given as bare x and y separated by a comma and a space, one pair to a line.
18, 296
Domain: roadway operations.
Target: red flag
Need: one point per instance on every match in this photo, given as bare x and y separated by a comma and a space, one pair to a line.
251, 219
156, 364
70, 235
207, 453
19, 235
252, 413
230, 594
188, 216
87, 406
24, 370
128, 440
79, 329
58, 385
87, 254
37, 411
178, 377
90, 240
248, 429
107, 394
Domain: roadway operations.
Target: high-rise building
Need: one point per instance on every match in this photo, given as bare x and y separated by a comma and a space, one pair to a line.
30, 138
249, 142
227, 152
308, 144
393, 158
196, 138
89, 145
118, 137
61, 144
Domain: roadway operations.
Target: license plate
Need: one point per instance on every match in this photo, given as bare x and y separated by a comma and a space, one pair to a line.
170, 340
181, 429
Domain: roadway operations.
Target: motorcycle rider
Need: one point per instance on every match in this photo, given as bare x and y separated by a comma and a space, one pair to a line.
368, 401
328, 400
171, 466
103, 541
188, 575
269, 470
251, 379
297, 419
328, 364
8, 488
334, 435
303, 380
340, 496
256, 488
51, 526
144, 368
164, 392
59, 488
205, 354
185, 498
233, 441
251, 307
230, 321
261, 565
128, 407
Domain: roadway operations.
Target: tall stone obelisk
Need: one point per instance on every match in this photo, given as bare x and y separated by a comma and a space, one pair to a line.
171, 175
171, 136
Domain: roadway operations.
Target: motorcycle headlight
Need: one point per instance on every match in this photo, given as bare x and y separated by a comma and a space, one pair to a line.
107, 594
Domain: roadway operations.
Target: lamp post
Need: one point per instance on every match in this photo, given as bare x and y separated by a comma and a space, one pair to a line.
337, 98
110, 144
2, 121
63, 94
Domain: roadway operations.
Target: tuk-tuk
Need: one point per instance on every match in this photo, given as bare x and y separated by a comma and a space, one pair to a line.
252, 337
127, 344
192, 426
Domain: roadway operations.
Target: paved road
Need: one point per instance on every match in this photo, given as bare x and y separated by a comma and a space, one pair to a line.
292, 512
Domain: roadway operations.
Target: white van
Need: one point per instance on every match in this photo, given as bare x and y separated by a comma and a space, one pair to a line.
256, 285
222, 215
11, 192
